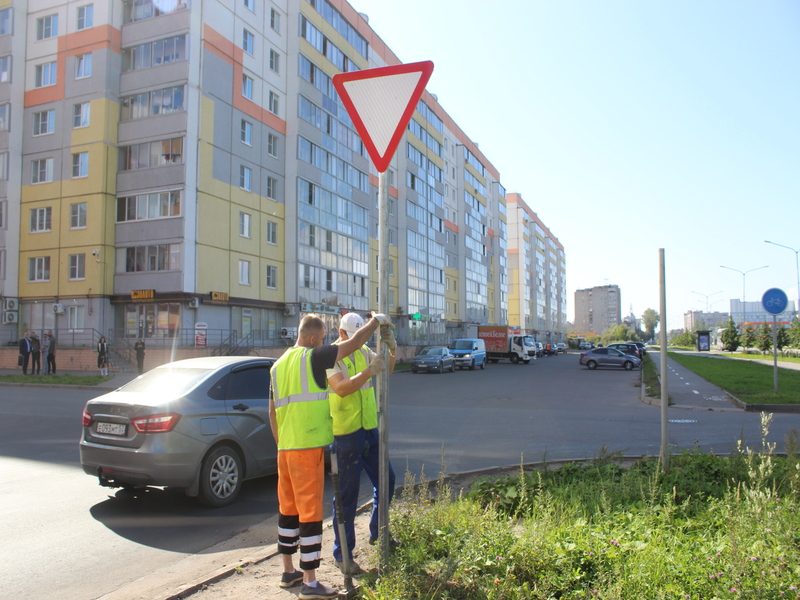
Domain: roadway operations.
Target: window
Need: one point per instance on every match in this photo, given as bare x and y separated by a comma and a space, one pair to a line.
6, 21
247, 41
39, 268
151, 154
3, 166
3, 212
40, 219
44, 122
77, 266
247, 87
149, 104
244, 224
272, 145
47, 27
80, 164
77, 215
157, 205
272, 188
272, 232
328, 241
272, 277
45, 75
273, 103
85, 16
80, 115
328, 280
244, 272
275, 20
83, 66
154, 54
5, 117
247, 132
158, 257
5, 69
245, 174
274, 60
42, 170
249, 4
75, 317
147, 9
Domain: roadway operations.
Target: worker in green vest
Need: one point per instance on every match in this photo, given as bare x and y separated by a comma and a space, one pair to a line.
301, 423
355, 427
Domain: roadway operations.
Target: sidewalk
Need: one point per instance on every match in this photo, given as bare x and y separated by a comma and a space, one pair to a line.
690, 391
117, 380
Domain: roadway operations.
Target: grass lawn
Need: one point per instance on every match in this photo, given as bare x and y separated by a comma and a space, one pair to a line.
759, 356
55, 379
750, 382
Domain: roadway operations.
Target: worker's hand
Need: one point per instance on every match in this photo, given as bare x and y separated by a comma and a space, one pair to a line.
383, 319
377, 364
387, 337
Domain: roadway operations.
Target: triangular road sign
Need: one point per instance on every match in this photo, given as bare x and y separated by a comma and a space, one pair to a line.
380, 102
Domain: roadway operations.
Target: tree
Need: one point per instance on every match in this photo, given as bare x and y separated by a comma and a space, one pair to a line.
730, 337
783, 338
794, 333
764, 338
749, 340
617, 333
686, 339
650, 319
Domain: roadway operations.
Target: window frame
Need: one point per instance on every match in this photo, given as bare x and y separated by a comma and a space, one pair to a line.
78, 115
245, 178
8, 21
78, 215
38, 269
244, 224
77, 267
275, 20
85, 20
36, 170
272, 233
247, 86
45, 75
83, 66
80, 165
246, 132
41, 219
244, 272
272, 145
47, 27
248, 41
5, 68
272, 188
49, 122
274, 61
273, 105
271, 276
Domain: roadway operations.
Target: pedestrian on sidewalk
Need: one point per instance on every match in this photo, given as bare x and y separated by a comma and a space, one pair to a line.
354, 411
300, 418
45, 353
102, 356
51, 354
139, 347
36, 354
25, 351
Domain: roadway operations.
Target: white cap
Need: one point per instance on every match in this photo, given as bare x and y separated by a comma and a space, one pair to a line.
351, 322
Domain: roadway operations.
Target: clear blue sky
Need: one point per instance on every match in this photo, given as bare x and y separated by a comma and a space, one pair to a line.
630, 126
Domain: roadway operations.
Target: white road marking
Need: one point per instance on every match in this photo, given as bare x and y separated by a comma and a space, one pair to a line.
695, 391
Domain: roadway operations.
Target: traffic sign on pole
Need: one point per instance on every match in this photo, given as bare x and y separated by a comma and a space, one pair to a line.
380, 103
774, 301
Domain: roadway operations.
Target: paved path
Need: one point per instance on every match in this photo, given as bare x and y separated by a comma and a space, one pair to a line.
689, 390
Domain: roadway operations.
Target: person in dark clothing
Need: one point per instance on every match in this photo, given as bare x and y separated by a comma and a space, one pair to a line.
36, 356
139, 347
102, 356
51, 353
25, 351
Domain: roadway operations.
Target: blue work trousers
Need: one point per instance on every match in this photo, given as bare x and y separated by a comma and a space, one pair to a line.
356, 451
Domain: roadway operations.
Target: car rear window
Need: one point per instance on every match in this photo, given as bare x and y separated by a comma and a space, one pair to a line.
167, 381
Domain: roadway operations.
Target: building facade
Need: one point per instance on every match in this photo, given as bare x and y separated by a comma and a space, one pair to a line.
597, 308
537, 271
697, 319
187, 165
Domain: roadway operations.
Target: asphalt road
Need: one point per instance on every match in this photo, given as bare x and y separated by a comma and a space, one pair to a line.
65, 537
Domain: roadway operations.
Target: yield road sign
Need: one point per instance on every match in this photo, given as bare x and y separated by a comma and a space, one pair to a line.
380, 102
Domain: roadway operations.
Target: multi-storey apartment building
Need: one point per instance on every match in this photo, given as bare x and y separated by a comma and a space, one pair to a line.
597, 308
537, 270
183, 162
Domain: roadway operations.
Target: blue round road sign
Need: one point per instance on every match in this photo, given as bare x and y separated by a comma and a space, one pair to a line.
774, 301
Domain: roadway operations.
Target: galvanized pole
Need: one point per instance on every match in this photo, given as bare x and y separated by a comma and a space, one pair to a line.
664, 392
383, 378
775, 350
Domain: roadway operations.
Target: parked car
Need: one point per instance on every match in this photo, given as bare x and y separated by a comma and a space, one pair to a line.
469, 353
434, 358
608, 357
561, 347
627, 348
585, 346
200, 424
642, 348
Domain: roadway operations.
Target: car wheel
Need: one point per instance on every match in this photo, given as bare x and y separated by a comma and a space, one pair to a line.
514, 359
220, 477
453, 367
494, 360
441, 367
472, 365
591, 364
628, 365
413, 370
526, 361
483, 364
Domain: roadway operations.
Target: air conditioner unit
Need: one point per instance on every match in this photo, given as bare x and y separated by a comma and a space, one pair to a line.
194, 303
289, 310
59, 309
289, 333
10, 317
10, 304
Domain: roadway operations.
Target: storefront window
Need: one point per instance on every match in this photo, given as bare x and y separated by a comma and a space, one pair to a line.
160, 320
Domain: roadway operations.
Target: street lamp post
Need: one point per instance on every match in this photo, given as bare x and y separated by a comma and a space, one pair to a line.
707, 296
744, 275
797, 265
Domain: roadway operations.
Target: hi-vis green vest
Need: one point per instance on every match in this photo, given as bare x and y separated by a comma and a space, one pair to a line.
359, 409
301, 406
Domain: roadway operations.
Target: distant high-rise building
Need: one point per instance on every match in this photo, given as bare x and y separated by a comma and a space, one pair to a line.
597, 308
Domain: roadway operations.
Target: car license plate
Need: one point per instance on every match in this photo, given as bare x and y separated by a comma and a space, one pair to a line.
111, 428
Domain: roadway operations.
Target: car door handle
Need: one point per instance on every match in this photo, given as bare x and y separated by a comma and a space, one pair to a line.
241, 407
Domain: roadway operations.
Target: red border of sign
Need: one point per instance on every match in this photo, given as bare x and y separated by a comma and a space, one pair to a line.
382, 161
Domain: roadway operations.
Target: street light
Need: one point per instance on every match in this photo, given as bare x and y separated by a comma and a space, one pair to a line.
707, 296
797, 263
744, 275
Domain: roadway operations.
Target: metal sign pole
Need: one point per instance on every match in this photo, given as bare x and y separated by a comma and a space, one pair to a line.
383, 378
775, 350
663, 339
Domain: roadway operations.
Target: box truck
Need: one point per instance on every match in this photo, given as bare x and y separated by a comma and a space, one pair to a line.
502, 343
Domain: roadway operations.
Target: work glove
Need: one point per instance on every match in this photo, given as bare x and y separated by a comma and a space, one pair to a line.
383, 319
377, 364
387, 337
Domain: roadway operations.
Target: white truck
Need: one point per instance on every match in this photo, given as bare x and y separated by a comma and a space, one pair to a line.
503, 344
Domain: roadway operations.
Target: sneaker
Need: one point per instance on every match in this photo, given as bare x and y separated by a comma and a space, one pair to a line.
354, 568
291, 579
317, 592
